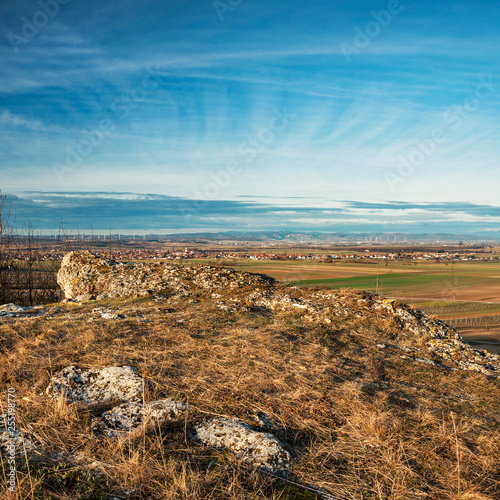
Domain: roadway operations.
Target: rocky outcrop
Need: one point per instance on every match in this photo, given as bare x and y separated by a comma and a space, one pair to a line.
107, 384
416, 321
259, 449
84, 275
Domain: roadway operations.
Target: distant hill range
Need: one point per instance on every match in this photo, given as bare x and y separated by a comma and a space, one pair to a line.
336, 237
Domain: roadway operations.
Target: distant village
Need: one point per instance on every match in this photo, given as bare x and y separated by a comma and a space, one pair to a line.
123, 249
367, 255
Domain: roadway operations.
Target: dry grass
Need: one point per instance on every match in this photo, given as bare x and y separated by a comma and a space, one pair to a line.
360, 422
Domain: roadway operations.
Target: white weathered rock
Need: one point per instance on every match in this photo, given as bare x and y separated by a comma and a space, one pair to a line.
12, 308
14, 443
15, 311
86, 297
416, 321
260, 449
96, 385
82, 273
128, 417
108, 314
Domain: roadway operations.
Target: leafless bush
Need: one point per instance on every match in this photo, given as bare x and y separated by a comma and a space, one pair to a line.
27, 276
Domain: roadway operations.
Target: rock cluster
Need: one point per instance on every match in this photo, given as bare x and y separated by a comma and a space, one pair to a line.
111, 383
416, 321
15, 311
114, 384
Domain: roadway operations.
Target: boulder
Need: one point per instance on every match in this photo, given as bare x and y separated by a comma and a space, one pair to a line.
82, 274
128, 417
260, 449
96, 385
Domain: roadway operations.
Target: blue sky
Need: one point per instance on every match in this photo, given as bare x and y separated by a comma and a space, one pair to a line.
252, 115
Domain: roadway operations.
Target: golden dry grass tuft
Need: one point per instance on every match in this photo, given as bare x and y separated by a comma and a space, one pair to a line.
360, 422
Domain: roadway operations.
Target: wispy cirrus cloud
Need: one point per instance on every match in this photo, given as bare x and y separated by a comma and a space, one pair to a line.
219, 82
9, 119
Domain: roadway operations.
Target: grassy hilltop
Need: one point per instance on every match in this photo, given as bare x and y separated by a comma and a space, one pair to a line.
365, 408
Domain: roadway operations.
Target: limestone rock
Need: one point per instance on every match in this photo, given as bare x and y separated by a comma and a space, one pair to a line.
12, 310
15, 311
128, 417
260, 449
108, 313
84, 298
14, 443
96, 385
83, 274
416, 321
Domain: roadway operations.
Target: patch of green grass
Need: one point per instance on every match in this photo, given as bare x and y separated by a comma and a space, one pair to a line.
294, 493
51, 480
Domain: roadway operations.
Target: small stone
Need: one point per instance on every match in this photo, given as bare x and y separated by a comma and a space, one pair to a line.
13, 308
86, 297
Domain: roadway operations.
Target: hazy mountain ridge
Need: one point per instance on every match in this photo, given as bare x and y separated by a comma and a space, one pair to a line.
336, 237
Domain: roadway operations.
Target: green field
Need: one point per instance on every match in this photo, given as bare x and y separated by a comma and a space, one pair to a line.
460, 281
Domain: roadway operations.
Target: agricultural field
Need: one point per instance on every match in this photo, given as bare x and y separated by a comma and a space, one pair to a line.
468, 281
